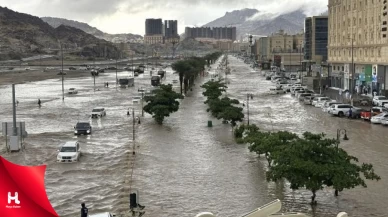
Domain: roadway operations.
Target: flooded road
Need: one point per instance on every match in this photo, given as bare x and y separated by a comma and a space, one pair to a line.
182, 168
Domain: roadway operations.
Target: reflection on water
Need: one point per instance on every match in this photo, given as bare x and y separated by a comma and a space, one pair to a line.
182, 167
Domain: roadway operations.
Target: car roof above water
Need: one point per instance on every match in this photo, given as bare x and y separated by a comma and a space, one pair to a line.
105, 214
70, 144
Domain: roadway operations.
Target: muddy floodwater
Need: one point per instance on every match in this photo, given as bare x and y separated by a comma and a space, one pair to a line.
182, 167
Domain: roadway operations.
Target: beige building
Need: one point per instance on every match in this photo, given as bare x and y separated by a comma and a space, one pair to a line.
153, 39
358, 34
283, 50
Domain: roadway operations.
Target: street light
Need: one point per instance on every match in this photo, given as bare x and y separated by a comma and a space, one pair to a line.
141, 90
249, 96
63, 85
351, 86
339, 133
133, 128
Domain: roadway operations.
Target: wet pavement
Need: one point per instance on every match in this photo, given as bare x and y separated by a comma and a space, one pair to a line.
182, 167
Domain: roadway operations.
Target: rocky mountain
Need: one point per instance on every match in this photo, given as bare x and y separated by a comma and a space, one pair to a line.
23, 35
55, 22
252, 21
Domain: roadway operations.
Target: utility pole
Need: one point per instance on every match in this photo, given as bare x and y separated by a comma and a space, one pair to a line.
352, 83
116, 72
63, 77
290, 59
133, 130
15, 132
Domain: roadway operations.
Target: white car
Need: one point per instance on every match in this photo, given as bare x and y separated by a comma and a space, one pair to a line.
73, 91
293, 92
328, 104
379, 100
277, 91
377, 119
105, 214
321, 101
69, 152
98, 112
339, 109
384, 121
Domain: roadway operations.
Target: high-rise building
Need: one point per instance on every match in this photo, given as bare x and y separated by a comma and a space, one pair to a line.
315, 38
358, 44
171, 28
153, 31
171, 31
216, 33
153, 27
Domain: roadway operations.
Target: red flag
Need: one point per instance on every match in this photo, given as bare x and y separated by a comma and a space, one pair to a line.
22, 191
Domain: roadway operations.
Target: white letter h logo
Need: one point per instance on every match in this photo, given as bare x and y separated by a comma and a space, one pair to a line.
15, 198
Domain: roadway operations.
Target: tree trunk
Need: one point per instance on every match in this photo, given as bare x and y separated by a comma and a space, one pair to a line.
336, 193
313, 201
181, 81
185, 81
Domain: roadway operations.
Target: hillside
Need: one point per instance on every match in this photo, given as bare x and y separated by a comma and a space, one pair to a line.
252, 21
24, 35
55, 22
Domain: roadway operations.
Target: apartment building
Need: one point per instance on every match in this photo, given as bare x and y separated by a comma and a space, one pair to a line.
281, 49
217, 33
358, 44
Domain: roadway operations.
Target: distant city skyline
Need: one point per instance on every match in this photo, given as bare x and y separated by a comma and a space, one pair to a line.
128, 16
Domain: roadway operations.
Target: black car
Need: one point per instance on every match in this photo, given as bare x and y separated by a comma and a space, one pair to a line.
72, 68
82, 128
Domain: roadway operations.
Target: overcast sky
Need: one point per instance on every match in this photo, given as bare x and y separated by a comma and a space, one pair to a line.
128, 16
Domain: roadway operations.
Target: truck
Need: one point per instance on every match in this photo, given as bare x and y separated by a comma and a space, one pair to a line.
127, 82
155, 80
161, 73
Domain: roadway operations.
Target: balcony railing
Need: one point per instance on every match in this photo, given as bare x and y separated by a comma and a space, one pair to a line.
287, 51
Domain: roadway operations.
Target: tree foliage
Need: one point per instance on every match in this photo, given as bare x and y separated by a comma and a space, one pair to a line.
213, 89
162, 102
312, 161
188, 69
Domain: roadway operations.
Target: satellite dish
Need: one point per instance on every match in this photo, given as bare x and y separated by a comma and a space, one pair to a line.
342, 214
205, 214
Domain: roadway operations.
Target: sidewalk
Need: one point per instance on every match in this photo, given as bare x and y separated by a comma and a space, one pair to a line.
333, 93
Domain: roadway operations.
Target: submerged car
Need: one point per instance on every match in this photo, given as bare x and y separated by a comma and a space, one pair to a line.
98, 112
69, 152
378, 118
73, 91
82, 128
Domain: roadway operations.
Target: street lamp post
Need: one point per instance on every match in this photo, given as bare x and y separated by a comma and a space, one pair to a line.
133, 129
290, 59
249, 96
116, 72
339, 133
63, 85
142, 99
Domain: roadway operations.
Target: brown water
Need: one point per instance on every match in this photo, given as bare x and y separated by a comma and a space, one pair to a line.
182, 168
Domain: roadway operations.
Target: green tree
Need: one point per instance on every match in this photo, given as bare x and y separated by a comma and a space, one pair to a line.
213, 90
181, 67
162, 103
314, 162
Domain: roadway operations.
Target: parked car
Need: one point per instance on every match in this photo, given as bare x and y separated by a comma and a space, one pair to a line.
308, 100
277, 91
356, 112
98, 112
379, 100
105, 214
339, 109
366, 115
73, 91
72, 68
69, 152
303, 95
328, 104
321, 101
384, 121
82, 128
293, 91
378, 118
